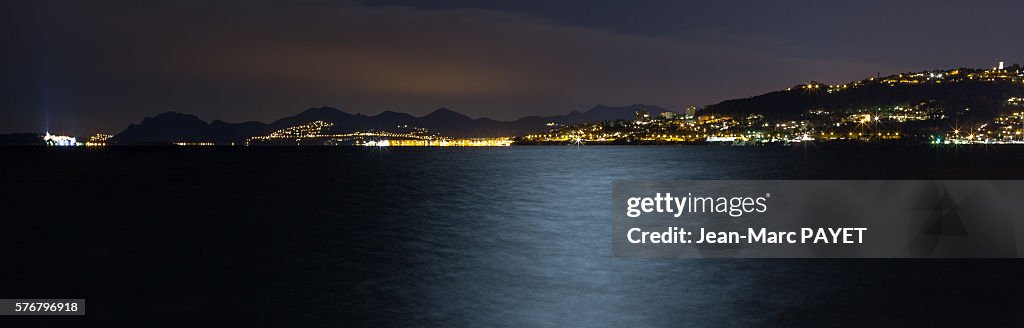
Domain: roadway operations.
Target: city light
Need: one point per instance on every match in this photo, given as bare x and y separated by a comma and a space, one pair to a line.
319, 133
99, 139
464, 142
194, 144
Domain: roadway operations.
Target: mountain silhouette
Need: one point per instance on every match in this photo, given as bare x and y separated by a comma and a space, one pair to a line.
172, 127
168, 127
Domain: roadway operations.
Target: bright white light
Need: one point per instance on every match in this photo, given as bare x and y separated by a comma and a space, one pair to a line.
377, 143
63, 141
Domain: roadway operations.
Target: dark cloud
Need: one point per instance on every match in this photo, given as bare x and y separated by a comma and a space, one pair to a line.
98, 65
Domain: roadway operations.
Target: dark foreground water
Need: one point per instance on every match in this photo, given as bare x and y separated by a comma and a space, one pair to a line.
511, 237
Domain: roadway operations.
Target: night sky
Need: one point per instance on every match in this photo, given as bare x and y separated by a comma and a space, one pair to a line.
81, 67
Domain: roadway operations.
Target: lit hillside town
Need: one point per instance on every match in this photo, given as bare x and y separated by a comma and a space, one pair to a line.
867, 125
315, 133
930, 122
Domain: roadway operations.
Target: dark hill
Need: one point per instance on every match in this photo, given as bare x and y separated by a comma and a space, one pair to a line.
21, 139
984, 99
167, 127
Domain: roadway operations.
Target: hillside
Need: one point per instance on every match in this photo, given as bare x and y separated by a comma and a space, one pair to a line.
983, 92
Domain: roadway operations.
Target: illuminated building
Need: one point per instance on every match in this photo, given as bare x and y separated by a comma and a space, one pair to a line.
64, 141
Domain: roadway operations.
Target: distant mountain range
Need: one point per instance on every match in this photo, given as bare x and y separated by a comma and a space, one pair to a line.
177, 127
